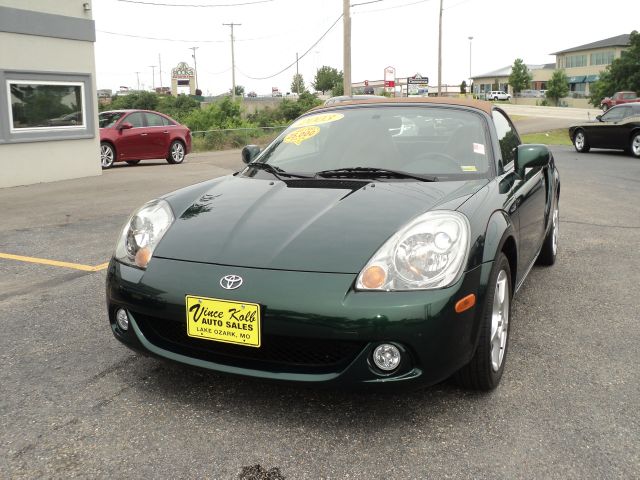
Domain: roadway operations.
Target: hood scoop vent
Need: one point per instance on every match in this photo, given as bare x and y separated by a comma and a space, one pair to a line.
325, 183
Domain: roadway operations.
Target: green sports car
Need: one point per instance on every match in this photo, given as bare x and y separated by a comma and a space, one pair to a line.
373, 242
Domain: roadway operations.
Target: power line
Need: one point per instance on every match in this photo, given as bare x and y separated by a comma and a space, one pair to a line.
300, 58
183, 40
161, 4
391, 8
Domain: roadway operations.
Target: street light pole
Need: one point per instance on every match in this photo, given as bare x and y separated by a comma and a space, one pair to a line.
233, 60
195, 64
440, 52
153, 76
470, 39
346, 15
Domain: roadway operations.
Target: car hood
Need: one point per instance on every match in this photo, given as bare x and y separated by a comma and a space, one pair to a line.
304, 225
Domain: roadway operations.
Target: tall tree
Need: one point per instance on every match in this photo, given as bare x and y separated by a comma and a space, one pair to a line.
558, 86
520, 77
326, 79
463, 87
297, 84
622, 74
239, 91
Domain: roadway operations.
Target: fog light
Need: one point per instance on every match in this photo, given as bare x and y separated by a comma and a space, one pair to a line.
386, 357
122, 319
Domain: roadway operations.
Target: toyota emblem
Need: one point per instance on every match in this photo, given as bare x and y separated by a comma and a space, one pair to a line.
231, 282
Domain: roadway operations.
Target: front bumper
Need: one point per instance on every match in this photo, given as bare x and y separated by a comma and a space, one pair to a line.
315, 327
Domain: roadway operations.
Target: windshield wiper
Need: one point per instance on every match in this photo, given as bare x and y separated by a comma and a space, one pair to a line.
274, 170
372, 172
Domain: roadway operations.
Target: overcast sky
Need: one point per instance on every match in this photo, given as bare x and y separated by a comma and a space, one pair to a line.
398, 33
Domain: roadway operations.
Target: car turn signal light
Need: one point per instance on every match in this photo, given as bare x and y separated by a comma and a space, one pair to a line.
465, 303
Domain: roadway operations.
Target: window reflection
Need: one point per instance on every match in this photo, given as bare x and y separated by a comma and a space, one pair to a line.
46, 105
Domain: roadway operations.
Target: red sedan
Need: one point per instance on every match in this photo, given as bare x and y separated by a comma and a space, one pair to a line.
134, 135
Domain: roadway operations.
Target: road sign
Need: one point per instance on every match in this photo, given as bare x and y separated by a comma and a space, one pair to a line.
389, 79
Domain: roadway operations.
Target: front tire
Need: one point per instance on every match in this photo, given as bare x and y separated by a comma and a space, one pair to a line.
580, 142
485, 369
550, 245
176, 152
634, 146
107, 155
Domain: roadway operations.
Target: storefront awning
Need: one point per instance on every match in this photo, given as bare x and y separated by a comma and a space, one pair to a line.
592, 78
579, 79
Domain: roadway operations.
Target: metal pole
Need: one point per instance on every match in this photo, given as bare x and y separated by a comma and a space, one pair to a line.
233, 61
138, 77
195, 64
153, 76
440, 52
346, 15
470, 39
160, 71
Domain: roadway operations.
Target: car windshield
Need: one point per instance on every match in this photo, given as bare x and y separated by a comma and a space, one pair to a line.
108, 119
450, 143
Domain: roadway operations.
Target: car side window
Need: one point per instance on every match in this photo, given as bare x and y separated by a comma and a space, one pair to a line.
154, 120
166, 122
135, 119
614, 115
507, 137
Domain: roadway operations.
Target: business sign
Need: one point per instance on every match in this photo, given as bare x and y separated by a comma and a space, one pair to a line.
389, 79
182, 72
418, 86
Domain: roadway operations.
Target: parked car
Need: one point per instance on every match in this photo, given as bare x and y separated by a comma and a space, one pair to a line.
134, 135
497, 95
68, 120
618, 98
345, 255
618, 129
530, 94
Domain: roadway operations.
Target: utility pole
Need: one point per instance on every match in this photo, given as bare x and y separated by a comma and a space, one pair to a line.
440, 52
153, 76
233, 60
160, 71
195, 64
346, 16
138, 77
470, 39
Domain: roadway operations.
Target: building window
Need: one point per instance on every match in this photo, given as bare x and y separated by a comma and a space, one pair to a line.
602, 58
45, 105
573, 61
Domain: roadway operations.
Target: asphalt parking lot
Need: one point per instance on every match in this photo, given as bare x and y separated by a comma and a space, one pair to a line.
75, 403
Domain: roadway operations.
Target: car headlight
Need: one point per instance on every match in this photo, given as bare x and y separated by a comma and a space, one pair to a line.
429, 252
142, 233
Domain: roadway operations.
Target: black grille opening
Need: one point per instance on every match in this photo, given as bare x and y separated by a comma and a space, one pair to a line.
278, 353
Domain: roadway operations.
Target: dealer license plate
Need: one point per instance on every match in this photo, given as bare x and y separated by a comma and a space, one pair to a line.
223, 321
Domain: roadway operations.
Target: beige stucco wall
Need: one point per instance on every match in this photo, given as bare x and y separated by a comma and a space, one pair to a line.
588, 69
35, 162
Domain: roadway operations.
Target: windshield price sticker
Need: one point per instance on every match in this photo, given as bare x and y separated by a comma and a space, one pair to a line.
318, 119
469, 168
223, 321
301, 134
478, 148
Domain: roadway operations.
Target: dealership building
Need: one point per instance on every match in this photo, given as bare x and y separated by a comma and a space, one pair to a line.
582, 65
48, 101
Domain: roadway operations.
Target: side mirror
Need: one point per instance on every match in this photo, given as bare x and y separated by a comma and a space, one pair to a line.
250, 152
599, 118
529, 156
125, 126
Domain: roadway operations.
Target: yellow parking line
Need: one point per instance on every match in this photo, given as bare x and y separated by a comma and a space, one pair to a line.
55, 263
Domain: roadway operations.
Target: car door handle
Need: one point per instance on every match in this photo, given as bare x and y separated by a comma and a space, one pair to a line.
143, 134
166, 131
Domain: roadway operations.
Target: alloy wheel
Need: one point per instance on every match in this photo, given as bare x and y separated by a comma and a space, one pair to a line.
579, 140
106, 156
499, 320
635, 145
177, 152
555, 226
